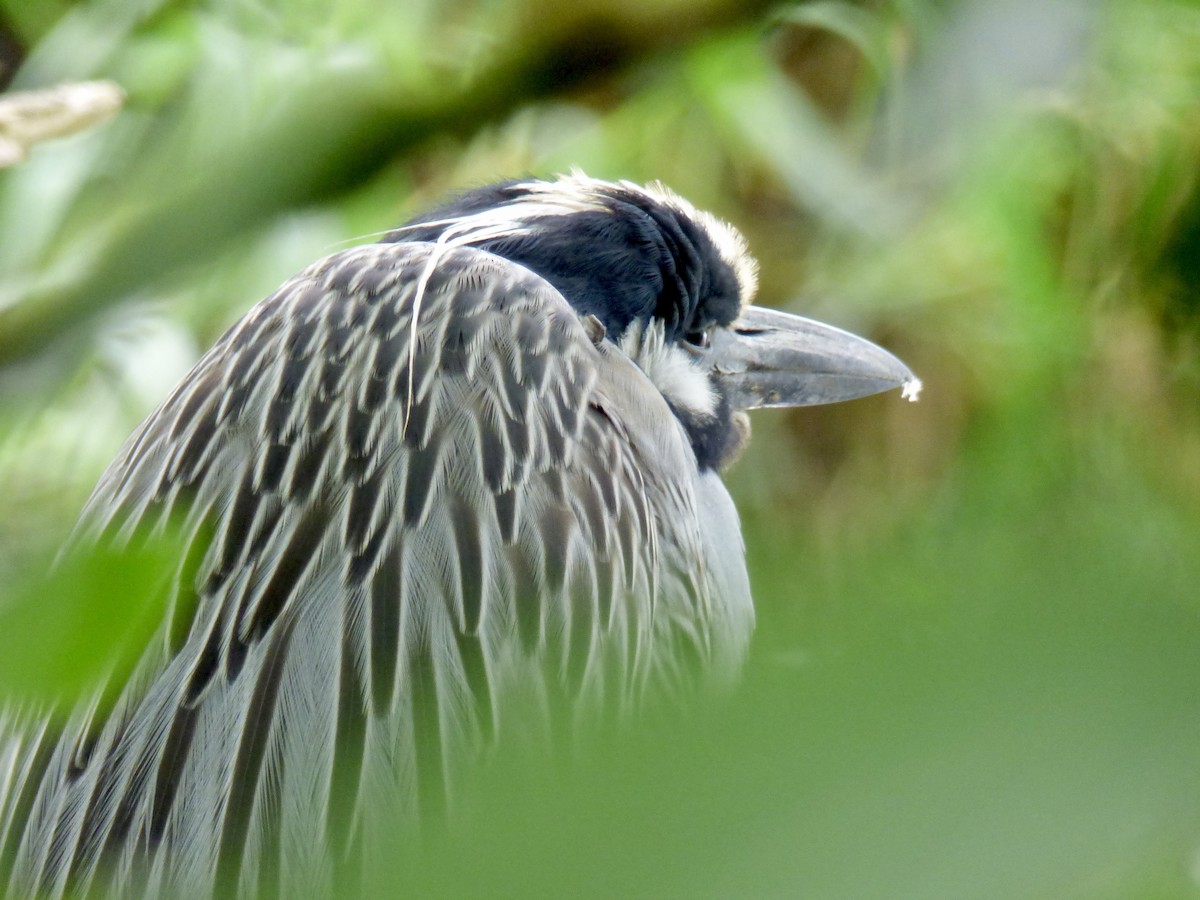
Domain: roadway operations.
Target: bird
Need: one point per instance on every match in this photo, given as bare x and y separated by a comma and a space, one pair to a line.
457, 485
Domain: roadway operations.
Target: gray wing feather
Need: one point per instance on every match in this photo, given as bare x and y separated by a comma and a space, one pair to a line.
394, 526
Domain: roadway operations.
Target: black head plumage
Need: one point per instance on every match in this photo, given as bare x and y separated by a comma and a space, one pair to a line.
615, 251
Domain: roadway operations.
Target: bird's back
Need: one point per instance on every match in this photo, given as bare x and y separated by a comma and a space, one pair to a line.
414, 489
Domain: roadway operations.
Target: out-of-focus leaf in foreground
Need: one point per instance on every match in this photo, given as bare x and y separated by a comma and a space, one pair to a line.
1005, 704
65, 628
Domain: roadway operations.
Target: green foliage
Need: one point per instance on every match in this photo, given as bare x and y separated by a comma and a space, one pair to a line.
65, 628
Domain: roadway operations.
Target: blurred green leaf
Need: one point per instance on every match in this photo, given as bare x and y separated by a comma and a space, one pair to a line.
1001, 700
774, 120
64, 631
866, 29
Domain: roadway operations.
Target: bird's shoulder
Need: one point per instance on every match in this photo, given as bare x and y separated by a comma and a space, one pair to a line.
352, 362
440, 404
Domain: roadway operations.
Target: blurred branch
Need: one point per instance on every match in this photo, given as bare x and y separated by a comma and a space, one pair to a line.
335, 132
30, 117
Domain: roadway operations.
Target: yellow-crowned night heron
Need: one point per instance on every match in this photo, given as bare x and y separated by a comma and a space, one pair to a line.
476, 461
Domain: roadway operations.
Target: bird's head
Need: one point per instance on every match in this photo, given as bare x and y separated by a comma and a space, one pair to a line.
673, 287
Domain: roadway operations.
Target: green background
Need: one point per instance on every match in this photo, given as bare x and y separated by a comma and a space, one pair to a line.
977, 665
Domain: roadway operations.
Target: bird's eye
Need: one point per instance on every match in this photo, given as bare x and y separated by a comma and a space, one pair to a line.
698, 339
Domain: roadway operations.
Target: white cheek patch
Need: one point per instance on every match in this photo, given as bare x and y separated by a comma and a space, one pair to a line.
678, 377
